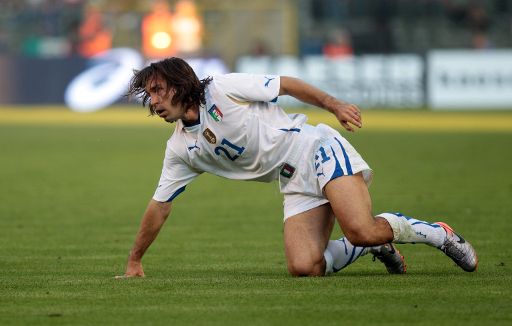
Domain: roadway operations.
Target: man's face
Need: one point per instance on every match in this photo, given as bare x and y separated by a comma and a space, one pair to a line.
161, 100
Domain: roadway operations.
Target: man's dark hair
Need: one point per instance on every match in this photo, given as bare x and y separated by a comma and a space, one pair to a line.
178, 74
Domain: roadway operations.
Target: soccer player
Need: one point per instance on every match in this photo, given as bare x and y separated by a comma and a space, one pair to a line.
231, 126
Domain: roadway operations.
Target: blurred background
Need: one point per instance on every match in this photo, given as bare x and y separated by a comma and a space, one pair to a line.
436, 54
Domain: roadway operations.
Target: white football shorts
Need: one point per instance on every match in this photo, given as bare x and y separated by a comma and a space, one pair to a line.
325, 155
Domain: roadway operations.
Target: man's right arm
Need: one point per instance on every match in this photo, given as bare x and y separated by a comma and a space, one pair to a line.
345, 112
152, 221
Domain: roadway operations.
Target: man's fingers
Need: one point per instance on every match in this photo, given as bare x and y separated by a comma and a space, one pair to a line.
353, 108
350, 115
357, 122
356, 115
346, 126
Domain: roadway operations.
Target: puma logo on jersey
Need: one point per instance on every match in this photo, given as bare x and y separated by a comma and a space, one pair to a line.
190, 148
268, 80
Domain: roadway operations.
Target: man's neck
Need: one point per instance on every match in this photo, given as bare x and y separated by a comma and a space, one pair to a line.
191, 116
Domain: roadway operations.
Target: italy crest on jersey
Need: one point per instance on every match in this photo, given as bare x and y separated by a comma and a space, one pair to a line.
210, 136
215, 113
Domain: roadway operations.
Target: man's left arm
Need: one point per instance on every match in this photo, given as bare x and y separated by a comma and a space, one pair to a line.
346, 113
154, 218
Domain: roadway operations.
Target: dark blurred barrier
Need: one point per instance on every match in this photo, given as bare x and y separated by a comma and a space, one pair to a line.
108, 77
440, 80
84, 85
443, 79
104, 82
37, 80
380, 81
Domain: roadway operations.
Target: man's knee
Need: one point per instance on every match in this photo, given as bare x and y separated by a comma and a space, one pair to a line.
307, 266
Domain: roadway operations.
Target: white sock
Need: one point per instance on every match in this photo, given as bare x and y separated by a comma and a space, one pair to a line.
409, 230
341, 253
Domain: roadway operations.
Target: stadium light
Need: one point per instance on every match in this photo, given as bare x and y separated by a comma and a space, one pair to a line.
157, 32
161, 40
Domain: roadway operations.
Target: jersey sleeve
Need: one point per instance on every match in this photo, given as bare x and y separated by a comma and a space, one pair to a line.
176, 175
241, 88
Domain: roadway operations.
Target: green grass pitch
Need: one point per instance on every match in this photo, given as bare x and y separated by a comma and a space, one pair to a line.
72, 196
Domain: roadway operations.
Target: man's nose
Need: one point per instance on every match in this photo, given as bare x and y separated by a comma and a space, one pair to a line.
154, 100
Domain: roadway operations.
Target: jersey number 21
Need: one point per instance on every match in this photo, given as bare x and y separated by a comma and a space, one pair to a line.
227, 147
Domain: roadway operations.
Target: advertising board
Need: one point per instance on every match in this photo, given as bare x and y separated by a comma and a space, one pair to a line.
470, 79
371, 81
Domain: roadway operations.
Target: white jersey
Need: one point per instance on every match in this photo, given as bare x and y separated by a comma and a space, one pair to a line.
242, 134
